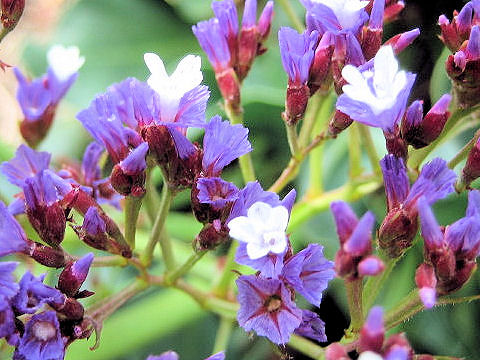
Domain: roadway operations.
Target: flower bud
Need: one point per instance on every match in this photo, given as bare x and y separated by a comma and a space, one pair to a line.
396, 145
370, 266
336, 352
212, 235
426, 282
373, 331
372, 34
229, 86
48, 256
397, 231
339, 122
320, 76
71, 309
471, 171
12, 10
248, 40
265, 21
401, 41
74, 274
450, 36
392, 11
295, 103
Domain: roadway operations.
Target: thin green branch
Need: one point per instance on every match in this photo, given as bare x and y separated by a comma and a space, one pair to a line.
292, 15
354, 152
225, 280
463, 153
132, 209
170, 278
355, 304
292, 139
223, 335
375, 283
307, 347
370, 147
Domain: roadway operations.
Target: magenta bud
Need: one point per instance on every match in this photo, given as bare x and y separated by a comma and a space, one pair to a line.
49, 222
370, 266
401, 41
12, 10
35, 131
396, 145
71, 309
212, 235
450, 36
471, 171
460, 60
295, 102
247, 50
392, 11
473, 45
398, 344
127, 185
397, 231
265, 21
74, 274
336, 351
373, 331
426, 281
339, 122
320, 76
48, 256
229, 86
436, 118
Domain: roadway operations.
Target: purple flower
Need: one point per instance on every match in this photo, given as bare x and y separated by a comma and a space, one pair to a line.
33, 294
345, 220
297, 52
266, 307
212, 39
270, 266
309, 272
216, 192
135, 163
222, 144
226, 13
42, 339
336, 16
90, 170
312, 326
7, 318
34, 98
376, 96
26, 163
8, 286
12, 236
395, 180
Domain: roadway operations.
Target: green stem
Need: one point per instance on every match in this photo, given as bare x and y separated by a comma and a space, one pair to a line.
406, 308
311, 115
292, 139
113, 260
4, 32
223, 285
151, 199
463, 153
307, 347
375, 283
245, 161
418, 156
355, 303
132, 209
370, 147
354, 152
287, 7
170, 278
223, 335
155, 236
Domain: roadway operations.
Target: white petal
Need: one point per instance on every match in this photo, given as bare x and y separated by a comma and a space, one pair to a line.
64, 61
241, 229
276, 241
188, 75
369, 355
386, 67
257, 250
155, 64
278, 219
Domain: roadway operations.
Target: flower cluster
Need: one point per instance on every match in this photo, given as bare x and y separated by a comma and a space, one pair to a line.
259, 221
43, 333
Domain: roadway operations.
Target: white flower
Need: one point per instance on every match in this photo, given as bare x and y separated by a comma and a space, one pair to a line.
263, 229
369, 355
379, 89
348, 12
64, 61
171, 89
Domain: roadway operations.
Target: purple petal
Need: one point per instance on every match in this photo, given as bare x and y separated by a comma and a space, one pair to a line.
58, 88
93, 224
289, 200
17, 207
216, 191
312, 327
226, 13
376, 16
464, 235
249, 14
7, 323
32, 96
360, 241
90, 169
249, 195
12, 236
8, 286
212, 40
192, 106
345, 219
217, 356
473, 208
270, 266
169, 355
431, 232
135, 163
374, 321
183, 146
428, 297
395, 179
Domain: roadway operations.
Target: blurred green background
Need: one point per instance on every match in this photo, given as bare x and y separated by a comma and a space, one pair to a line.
113, 35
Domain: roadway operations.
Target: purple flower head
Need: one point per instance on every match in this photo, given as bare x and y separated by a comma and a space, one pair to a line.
26, 163
8, 286
435, 182
395, 179
7, 318
74, 275
12, 236
297, 52
93, 224
345, 220
135, 162
42, 339
472, 50
376, 96
312, 326
212, 39
359, 242
376, 16
336, 16
40, 190
33, 294
91, 172
222, 144
34, 98
226, 13
168, 355
266, 307
64, 63
216, 192
309, 272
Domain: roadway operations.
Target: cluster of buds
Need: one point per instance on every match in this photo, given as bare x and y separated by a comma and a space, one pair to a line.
462, 37
354, 260
450, 252
38, 98
400, 225
231, 50
338, 33
43, 333
372, 343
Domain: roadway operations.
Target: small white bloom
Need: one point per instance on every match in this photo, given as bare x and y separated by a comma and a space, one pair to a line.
347, 11
171, 89
369, 355
64, 61
263, 229
379, 88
